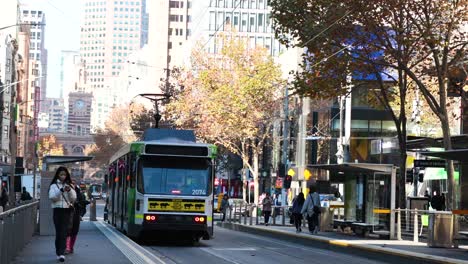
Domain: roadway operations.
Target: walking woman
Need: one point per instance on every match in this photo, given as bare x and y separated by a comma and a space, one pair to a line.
296, 211
62, 196
267, 202
79, 210
311, 207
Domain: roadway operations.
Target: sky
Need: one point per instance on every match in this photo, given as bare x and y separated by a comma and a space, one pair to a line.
62, 32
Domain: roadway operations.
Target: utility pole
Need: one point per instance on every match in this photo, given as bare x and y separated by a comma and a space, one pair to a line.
12, 132
285, 143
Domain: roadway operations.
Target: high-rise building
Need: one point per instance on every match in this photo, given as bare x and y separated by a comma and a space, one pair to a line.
9, 23
72, 75
37, 52
169, 24
250, 19
110, 31
56, 111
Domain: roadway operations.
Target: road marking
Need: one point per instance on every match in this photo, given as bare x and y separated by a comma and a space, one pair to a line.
134, 252
219, 256
236, 249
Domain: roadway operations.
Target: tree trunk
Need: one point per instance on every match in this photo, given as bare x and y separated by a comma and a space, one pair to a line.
255, 176
451, 197
401, 181
245, 184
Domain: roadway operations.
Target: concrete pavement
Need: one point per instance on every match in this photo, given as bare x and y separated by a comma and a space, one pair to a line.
388, 249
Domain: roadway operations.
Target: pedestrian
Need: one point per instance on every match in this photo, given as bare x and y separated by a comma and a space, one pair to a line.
224, 206
3, 197
442, 197
62, 196
267, 202
79, 207
311, 208
277, 205
296, 211
25, 196
436, 201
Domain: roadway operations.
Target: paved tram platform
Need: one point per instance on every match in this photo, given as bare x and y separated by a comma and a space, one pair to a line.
97, 242
405, 250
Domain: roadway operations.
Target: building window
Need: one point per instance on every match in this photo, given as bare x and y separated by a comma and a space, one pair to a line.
174, 4
174, 18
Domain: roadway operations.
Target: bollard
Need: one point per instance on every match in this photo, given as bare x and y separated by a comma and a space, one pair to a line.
399, 224
415, 233
256, 216
250, 214
273, 215
283, 221
245, 214
92, 210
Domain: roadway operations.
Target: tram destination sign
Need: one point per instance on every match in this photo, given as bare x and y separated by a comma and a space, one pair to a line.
430, 163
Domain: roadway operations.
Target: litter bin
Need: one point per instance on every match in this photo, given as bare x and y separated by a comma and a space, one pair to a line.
440, 233
326, 219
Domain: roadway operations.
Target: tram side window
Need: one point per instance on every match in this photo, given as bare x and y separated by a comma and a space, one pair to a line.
140, 180
132, 169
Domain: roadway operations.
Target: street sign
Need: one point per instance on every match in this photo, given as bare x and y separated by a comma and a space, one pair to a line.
291, 172
435, 163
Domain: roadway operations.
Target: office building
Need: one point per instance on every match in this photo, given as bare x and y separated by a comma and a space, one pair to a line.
110, 31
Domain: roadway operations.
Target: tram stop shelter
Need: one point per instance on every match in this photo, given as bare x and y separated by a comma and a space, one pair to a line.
49, 165
369, 195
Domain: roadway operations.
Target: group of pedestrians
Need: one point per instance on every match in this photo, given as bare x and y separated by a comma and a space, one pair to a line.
308, 208
69, 205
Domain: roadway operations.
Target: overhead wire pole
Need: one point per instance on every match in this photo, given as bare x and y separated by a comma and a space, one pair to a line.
156, 98
285, 143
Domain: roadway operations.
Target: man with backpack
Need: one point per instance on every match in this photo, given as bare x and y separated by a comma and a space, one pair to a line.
311, 209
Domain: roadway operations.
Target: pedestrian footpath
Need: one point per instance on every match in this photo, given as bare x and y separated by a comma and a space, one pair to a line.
97, 243
401, 249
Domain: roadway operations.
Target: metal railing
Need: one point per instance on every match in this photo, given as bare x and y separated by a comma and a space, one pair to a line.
17, 226
414, 222
251, 214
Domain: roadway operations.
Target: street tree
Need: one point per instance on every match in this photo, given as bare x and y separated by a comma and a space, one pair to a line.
407, 41
116, 134
48, 145
230, 99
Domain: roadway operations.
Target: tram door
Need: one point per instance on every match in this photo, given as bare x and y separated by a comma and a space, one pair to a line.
112, 209
125, 174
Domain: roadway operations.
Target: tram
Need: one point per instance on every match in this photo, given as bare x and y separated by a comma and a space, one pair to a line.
162, 185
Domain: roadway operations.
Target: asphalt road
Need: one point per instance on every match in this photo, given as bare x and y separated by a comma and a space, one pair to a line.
238, 247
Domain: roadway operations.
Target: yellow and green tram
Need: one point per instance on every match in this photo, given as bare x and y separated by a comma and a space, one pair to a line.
162, 185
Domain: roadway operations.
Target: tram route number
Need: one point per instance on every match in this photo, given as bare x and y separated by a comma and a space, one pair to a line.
176, 205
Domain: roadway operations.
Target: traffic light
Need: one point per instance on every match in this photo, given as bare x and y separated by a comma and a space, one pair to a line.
287, 182
281, 170
409, 175
421, 176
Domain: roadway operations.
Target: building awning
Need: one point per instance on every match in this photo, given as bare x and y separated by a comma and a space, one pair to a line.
418, 143
354, 167
454, 154
65, 159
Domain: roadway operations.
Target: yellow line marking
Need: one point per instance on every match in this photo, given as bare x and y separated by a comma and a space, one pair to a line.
381, 211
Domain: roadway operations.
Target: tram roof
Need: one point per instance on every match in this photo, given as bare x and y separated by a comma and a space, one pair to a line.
135, 145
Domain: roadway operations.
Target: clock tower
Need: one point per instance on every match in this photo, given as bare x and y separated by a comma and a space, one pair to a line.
79, 113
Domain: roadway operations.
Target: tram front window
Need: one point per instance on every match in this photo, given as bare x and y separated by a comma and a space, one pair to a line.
174, 176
